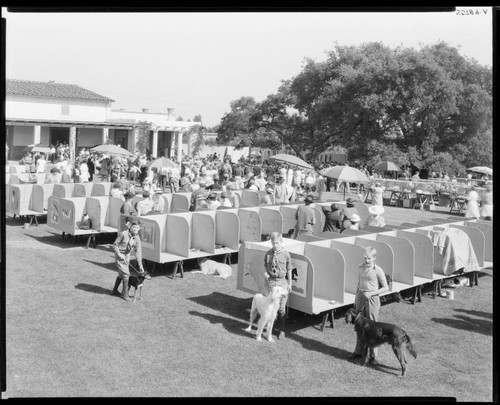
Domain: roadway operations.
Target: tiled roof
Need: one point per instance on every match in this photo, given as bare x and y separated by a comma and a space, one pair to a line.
51, 90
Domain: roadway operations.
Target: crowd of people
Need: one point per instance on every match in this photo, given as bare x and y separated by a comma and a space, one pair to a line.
213, 181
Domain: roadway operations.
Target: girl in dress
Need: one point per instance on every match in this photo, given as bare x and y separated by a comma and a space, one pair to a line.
472, 210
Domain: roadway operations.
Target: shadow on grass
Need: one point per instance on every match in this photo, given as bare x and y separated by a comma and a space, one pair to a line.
18, 222
237, 327
240, 308
299, 320
163, 269
167, 269
476, 313
108, 266
95, 289
112, 266
387, 369
56, 239
63, 243
228, 304
484, 327
233, 326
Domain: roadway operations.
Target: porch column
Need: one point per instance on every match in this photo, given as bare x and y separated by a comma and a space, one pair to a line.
37, 131
135, 138
105, 135
179, 146
172, 145
189, 143
72, 143
154, 152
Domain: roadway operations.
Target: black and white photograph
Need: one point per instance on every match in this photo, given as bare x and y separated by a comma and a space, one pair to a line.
249, 202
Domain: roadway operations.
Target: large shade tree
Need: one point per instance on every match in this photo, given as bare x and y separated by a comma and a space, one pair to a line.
429, 101
422, 107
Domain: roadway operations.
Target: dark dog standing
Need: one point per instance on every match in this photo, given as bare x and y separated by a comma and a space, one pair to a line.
137, 282
374, 334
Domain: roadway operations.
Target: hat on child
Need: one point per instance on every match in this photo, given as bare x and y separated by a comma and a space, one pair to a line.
355, 218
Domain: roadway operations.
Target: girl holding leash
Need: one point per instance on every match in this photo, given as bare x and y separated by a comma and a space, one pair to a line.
371, 284
127, 241
278, 265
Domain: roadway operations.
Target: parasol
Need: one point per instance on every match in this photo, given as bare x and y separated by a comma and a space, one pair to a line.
291, 160
387, 166
162, 162
38, 147
347, 174
482, 170
111, 150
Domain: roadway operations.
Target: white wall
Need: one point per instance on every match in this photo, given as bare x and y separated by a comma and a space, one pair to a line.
44, 135
88, 137
31, 108
23, 136
159, 119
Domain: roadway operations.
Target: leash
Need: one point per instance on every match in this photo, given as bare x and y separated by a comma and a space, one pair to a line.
360, 313
144, 273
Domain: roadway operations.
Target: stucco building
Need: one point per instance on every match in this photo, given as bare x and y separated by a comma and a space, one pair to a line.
49, 112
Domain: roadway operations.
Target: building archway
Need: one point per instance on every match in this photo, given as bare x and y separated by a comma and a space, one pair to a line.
58, 135
165, 143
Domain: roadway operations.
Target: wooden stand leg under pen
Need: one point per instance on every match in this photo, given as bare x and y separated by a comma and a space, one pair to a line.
33, 217
328, 314
178, 265
417, 294
91, 238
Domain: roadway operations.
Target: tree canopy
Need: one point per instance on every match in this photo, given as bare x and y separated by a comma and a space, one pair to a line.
430, 107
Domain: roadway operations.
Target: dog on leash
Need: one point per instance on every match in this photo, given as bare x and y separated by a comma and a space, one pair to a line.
374, 334
267, 308
137, 282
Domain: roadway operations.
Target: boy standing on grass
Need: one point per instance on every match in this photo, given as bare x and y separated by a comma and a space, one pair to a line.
278, 265
127, 241
371, 284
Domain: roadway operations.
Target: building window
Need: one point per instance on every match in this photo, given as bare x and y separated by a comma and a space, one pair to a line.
121, 137
65, 109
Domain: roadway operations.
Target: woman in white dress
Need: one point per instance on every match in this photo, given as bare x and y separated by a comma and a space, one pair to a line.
472, 210
84, 172
40, 164
377, 194
487, 203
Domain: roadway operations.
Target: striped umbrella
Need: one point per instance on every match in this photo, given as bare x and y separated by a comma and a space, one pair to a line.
291, 160
387, 166
347, 174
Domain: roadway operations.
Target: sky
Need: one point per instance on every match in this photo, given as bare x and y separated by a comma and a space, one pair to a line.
197, 63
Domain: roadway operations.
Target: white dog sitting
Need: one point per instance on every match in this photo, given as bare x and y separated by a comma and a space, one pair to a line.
208, 266
267, 307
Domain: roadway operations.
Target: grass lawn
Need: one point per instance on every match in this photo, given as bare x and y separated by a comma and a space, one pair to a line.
68, 337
